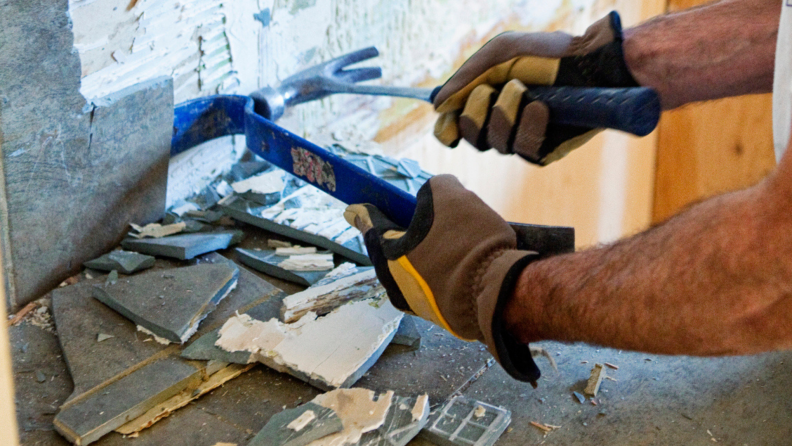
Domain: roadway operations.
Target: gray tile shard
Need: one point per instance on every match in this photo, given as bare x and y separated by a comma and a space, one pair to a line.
278, 433
408, 334
125, 262
190, 294
95, 366
266, 261
185, 246
86, 420
455, 423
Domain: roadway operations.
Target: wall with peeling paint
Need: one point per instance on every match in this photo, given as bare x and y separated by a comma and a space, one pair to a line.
211, 46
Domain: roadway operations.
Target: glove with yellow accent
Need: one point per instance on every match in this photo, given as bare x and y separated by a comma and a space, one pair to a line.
488, 101
456, 266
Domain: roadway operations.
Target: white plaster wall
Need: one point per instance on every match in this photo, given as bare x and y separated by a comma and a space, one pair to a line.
212, 46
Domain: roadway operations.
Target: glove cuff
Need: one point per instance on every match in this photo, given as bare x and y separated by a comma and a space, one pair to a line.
597, 58
501, 279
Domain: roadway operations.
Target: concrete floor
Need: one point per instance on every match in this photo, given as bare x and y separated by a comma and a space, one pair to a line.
655, 400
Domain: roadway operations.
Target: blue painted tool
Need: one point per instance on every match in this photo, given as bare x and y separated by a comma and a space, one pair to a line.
635, 110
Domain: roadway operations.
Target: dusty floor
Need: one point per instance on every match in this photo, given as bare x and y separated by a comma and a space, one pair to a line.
654, 400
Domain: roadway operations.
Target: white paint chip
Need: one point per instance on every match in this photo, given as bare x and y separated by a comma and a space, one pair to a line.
421, 407
300, 422
146, 331
266, 183
294, 250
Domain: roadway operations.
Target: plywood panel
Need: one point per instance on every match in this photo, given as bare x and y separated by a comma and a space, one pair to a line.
710, 148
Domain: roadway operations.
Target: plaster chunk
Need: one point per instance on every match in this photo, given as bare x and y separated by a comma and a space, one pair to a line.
359, 410
330, 352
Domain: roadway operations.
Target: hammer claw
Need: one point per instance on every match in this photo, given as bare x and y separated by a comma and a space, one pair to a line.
359, 74
353, 58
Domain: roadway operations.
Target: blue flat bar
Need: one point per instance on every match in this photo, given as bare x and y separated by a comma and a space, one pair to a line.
211, 117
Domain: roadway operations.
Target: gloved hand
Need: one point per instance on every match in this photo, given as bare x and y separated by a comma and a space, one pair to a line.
488, 104
456, 266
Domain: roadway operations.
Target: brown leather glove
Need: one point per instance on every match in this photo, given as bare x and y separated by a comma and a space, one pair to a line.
489, 104
456, 266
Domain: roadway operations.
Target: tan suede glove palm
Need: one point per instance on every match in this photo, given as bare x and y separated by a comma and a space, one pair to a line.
488, 102
456, 266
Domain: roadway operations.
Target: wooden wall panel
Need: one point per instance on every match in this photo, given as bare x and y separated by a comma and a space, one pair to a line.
710, 148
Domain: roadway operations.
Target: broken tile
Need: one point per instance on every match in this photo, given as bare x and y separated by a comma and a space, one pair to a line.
281, 429
594, 381
126, 262
210, 217
112, 278
408, 334
308, 262
156, 230
264, 189
404, 420
164, 409
277, 219
246, 169
455, 424
185, 246
328, 352
579, 397
322, 299
103, 337
98, 365
85, 420
190, 294
268, 262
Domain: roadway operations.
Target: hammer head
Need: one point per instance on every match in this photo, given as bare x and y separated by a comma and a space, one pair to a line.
315, 83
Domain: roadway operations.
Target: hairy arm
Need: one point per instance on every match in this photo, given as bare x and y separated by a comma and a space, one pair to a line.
714, 280
721, 49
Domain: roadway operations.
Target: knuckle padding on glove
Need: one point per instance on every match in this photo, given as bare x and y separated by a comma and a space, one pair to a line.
505, 114
476, 117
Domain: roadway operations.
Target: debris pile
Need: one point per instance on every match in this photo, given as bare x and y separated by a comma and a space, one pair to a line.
172, 319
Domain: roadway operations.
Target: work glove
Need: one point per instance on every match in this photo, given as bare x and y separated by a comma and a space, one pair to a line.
488, 101
456, 266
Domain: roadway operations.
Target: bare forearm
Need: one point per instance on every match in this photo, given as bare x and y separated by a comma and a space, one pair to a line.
722, 49
714, 280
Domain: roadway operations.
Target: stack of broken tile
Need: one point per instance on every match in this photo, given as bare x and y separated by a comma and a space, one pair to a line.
143, 344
